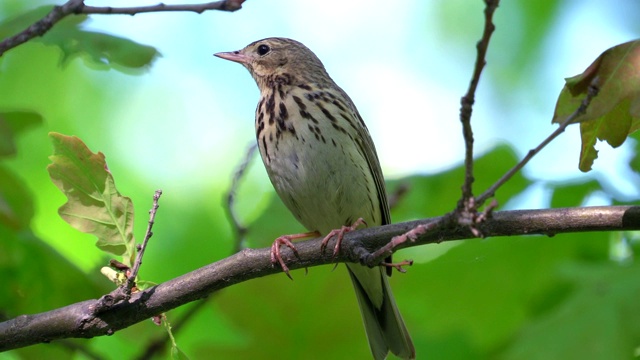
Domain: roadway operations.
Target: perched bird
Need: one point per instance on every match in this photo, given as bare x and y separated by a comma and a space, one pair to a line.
322, 162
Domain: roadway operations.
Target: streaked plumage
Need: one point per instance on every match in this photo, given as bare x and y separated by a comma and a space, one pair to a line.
323, 164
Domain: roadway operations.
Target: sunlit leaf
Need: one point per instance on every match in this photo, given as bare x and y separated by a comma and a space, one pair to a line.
178, 354
94, 205
615, 112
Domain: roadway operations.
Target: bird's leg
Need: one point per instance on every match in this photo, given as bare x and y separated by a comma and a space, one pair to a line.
340, 234
286, 240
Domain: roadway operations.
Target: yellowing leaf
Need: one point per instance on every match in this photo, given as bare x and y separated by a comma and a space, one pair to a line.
93, 205
615, 112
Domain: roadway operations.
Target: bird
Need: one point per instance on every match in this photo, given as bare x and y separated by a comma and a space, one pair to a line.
323, 164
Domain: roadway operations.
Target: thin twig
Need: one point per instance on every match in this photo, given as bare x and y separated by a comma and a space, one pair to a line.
591, 93
467, 101
40, 27
228, 5
131, 280
239, 229
158, 344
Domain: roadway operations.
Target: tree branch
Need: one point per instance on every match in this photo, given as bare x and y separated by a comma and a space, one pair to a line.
224, 5
239, 229
131, 279
58, 13
40, 27
80, 320
467, 101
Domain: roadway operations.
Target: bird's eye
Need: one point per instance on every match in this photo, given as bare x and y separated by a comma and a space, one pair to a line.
263, 49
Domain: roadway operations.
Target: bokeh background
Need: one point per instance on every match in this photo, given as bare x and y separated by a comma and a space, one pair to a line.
183, 123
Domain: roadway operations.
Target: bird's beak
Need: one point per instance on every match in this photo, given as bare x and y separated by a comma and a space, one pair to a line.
236, 56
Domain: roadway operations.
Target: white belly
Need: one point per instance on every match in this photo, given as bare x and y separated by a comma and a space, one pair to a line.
325, 184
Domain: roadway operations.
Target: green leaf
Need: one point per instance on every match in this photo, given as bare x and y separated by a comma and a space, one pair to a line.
600, 320
16, 203
615, 112
102, 49
568, 195
143, 284
434, 195
35, 277
501, 285
94, 205
15, 25
177, 354
12, 123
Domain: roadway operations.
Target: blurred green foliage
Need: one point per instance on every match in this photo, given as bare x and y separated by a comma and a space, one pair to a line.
513, 298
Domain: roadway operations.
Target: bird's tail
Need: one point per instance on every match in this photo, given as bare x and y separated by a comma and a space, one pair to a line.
382, 320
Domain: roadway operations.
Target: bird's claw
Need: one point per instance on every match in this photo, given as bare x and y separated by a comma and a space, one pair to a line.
276, 258
398, 266
340, 234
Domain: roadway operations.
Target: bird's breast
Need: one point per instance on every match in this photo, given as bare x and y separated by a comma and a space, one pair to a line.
307, 143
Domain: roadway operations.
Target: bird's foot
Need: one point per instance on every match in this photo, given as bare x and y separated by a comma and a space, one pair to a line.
276, 257
398, 266
340, 234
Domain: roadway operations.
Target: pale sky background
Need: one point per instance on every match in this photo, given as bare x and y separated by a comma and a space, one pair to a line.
405, 74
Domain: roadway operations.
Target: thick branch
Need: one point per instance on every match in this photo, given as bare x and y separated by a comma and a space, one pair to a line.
80, 320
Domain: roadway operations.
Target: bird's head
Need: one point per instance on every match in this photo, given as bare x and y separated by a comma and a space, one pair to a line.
271, 58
